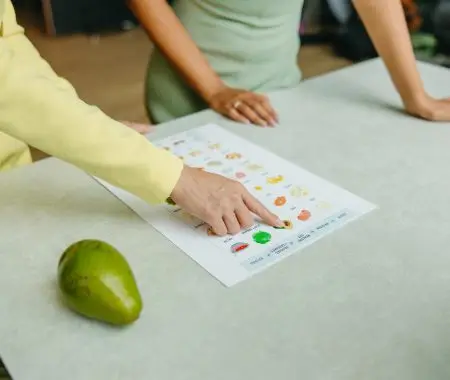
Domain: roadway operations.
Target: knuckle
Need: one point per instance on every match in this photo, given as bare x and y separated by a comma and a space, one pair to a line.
238, 188
235, 198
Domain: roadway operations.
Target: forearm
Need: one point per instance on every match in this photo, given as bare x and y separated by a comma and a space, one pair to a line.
43, 110
386, 25
171, 38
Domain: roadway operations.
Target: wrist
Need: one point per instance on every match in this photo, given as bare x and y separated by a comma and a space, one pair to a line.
414, 98
182, 185
419, 105
212, 90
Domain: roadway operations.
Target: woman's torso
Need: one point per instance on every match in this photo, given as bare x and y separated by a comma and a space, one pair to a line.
250, 43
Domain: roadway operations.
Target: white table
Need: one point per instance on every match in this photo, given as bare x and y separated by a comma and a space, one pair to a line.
370, 301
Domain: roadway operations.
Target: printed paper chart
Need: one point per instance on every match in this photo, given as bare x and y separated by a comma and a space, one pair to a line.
310, 206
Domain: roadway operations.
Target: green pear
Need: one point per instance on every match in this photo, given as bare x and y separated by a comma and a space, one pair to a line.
96, 281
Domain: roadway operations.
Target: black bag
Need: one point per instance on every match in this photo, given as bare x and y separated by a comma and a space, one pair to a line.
87, 16
352, 41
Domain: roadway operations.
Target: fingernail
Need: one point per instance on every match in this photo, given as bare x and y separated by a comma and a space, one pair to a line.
279, 223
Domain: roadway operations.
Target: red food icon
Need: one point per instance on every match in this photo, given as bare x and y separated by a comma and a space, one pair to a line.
237, 247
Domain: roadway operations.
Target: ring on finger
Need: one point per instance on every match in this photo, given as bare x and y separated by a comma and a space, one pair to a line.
236, 104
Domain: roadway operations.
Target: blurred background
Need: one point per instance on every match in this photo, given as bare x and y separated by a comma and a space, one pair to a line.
100, 48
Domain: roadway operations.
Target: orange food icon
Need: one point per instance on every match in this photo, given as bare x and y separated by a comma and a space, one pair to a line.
304, 215
280, 201
233, 156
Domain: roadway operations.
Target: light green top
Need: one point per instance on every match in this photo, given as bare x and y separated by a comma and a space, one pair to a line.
251, 44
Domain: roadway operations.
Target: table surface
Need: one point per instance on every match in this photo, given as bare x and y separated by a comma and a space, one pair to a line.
370, 301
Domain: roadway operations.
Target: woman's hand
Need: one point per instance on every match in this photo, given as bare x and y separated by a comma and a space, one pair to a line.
244, 106
225, 205
429, 108
386, 24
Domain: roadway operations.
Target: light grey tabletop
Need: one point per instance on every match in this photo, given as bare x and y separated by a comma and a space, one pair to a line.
370, 301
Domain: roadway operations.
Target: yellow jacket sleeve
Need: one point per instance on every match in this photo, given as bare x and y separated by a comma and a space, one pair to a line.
43, 110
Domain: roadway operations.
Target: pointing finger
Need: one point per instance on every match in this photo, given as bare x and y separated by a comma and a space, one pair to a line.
258, 209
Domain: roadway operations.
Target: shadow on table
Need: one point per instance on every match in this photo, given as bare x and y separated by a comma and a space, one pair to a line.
57, 201
4, 375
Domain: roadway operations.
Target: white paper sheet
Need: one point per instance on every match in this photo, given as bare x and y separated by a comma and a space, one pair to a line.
311, 206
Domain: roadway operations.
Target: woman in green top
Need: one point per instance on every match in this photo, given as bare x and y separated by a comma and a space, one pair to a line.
224, 54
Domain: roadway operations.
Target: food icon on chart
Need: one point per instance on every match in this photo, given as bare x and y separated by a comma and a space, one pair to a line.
240, 175
304, 215
215, 146
298, 192
178, 142
233, 156
254, 167
214, 163
262, 237
287, 225
280, 201
238, 247
258, 188
195, 153
166, 148
275, 180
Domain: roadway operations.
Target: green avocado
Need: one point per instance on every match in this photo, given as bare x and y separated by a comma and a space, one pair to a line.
96, 281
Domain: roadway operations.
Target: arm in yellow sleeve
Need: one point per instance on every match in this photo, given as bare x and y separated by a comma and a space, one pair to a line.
43, 110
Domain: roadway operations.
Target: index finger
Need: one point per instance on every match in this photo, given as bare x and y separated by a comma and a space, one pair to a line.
260, 210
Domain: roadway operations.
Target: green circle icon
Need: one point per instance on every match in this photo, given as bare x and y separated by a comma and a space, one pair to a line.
262, 237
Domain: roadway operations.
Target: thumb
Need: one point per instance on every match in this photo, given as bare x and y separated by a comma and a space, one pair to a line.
260, 210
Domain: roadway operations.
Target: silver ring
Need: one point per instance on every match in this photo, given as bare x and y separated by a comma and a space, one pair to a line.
236, 104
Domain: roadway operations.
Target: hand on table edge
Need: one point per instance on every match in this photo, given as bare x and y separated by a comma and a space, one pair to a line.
386, 25
428, 108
